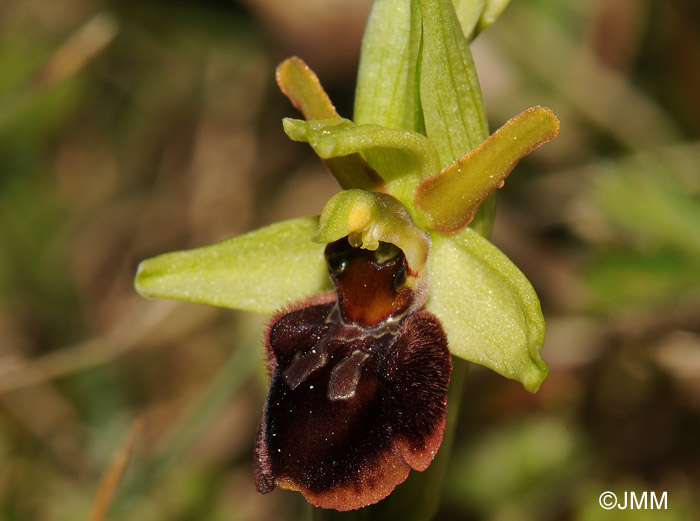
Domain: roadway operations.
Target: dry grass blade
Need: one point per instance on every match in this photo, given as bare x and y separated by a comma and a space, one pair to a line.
113, 475
125, 335
81, 47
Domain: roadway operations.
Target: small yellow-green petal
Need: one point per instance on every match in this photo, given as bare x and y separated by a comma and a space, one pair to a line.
260, 271
488, 308
450, 198
303, 88
401, 157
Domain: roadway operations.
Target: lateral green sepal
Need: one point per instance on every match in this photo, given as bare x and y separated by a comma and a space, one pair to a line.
488, 308
260, 271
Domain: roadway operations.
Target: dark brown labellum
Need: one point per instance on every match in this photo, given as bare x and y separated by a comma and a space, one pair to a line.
358, 390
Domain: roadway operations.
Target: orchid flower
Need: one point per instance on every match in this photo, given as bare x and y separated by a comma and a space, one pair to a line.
370, 298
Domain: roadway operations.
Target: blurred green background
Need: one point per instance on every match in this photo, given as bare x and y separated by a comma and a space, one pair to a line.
132, 128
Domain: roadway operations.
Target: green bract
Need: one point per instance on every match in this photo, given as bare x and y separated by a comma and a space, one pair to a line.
417, 167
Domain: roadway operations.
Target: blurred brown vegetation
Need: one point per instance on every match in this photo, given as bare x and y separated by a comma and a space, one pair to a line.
132, 128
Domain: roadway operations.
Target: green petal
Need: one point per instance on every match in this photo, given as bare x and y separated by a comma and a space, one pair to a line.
261, 271
451, 198
303, 88
403, 158
488, 308
450, 93
387, 81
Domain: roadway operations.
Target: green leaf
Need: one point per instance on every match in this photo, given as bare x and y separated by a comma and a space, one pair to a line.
303, 88
620, 281
476, 15
488, 308
401, 157
641, 197
450, 93
468, 13
492, 11
451, 198
261, 271
387, 81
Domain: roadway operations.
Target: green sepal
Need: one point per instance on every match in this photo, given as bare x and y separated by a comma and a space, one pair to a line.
450, 94
488, 308
369, 217
260, 271
401, 157
387, 81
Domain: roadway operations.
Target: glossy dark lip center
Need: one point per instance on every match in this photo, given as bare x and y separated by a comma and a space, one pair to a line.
371, 285
345, 374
